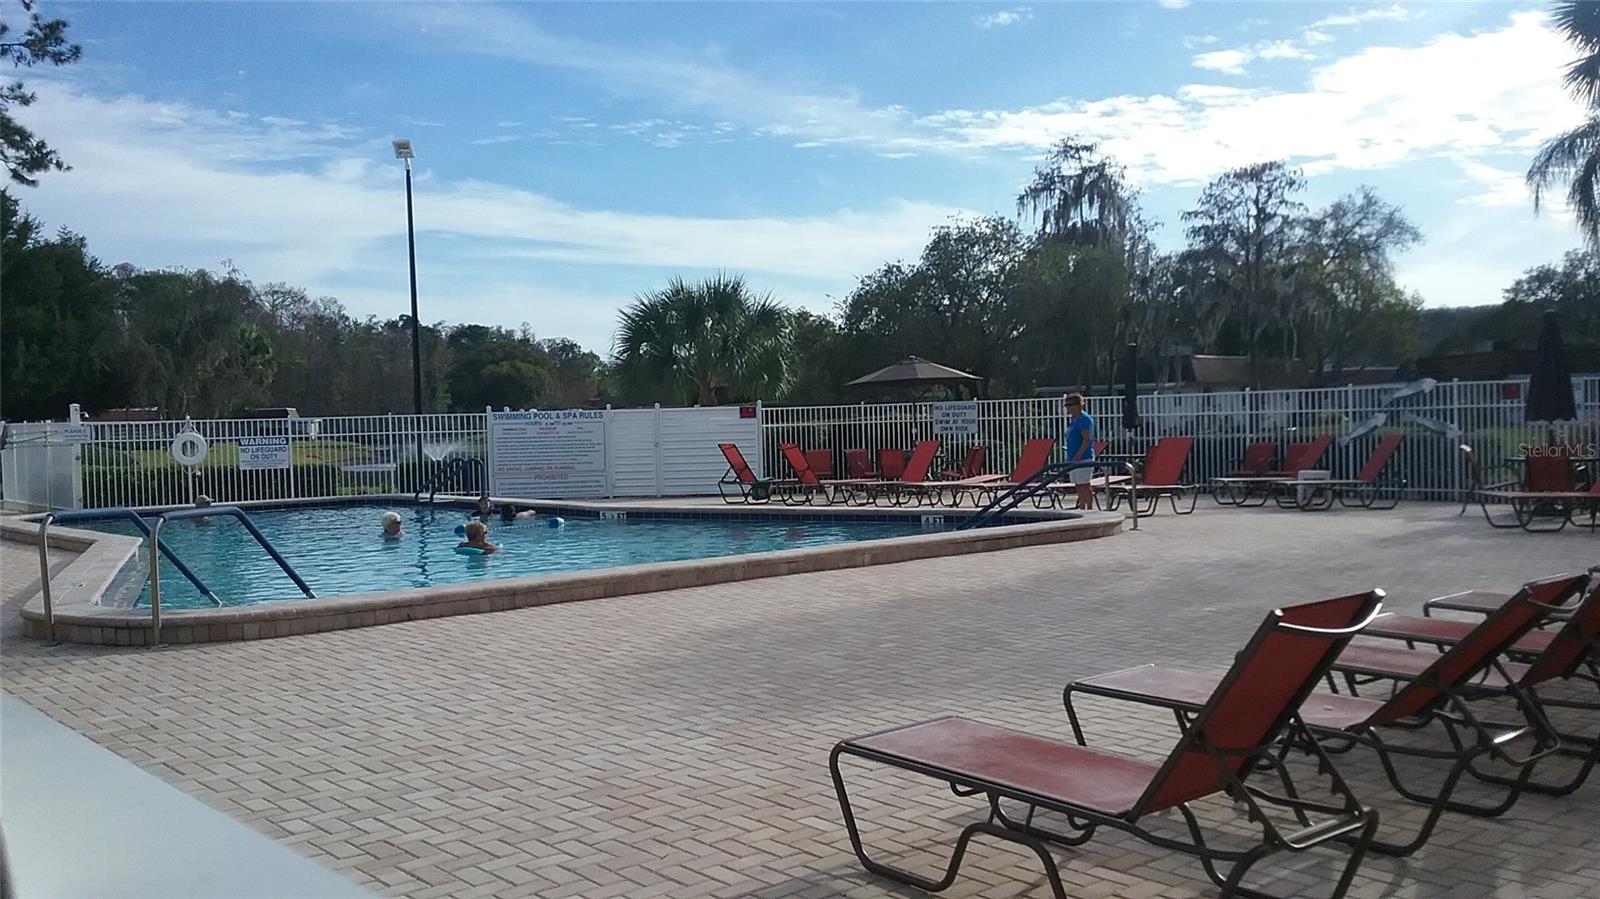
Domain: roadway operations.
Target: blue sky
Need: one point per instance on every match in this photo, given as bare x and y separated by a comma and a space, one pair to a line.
570, 156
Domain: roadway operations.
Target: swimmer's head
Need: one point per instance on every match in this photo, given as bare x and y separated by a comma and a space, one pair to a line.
508, 512
484, 506
476, 531
202, 501
391, 523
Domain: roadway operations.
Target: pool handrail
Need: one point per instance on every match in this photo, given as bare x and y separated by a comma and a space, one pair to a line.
69, 515
244, 519
1040, 481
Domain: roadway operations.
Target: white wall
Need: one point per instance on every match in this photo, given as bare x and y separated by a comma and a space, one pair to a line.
673, 452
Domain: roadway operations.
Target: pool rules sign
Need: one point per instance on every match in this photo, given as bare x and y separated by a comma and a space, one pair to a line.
559, 454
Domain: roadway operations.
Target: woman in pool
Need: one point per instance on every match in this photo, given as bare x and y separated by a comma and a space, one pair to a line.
509, 513
391, 525
478, 538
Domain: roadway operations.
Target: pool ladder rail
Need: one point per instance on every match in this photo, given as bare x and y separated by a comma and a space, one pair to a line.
158, 550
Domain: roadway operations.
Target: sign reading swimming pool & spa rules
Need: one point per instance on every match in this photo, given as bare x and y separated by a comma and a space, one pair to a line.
548, 454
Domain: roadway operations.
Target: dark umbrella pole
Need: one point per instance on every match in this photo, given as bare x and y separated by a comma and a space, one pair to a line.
1130, 388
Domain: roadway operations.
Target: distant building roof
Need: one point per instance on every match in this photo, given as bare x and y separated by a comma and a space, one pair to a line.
1487, 366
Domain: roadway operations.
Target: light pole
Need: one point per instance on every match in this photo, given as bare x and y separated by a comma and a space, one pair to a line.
403, 151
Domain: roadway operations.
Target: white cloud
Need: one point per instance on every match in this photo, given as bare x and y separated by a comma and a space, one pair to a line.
1003, 18
1395, 13
1191, 41
1230, 62
1174, 4
1374, 109
164, 183
1312, 37
1281, 50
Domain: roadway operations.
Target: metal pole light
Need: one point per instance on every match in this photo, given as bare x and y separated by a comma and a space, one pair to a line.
403, 151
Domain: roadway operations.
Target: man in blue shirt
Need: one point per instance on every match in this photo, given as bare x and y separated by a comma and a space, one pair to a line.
1080, 448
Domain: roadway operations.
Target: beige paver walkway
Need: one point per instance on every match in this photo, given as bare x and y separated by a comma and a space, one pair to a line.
675, 744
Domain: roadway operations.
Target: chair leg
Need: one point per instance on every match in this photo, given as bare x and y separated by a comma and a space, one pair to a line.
1052, 872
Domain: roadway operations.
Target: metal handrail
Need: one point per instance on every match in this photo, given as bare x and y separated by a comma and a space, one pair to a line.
139, 523
454, 465
244, 519
1040, 481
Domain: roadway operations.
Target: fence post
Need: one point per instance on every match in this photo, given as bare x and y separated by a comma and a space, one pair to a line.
656, 456
1456, 475
761, 440
605, 433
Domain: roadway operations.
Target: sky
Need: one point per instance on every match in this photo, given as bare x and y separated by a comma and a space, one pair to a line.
570, 157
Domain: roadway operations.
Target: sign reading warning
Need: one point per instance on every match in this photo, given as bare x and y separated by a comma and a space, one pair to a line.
263, 453
540, 455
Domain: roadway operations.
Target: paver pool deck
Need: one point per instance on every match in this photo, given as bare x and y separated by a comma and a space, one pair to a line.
675, 744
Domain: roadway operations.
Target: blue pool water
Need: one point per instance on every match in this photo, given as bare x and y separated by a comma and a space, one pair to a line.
338, 549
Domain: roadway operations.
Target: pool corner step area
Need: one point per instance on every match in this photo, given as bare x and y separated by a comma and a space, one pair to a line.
81, 822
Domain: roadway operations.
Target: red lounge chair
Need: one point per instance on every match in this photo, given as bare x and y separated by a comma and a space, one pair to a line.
821, 462
806, 486
747, 488
1542, 656
1489, 483
1436, 696
1231, 734
891, 463
971, 464
1034, 457
1361, 492
1163, 467
1255, 490
1257, 459
858, 465
1534, 509
913, 482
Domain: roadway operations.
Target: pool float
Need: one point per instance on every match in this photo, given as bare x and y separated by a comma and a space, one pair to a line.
469, 551
555, 521
461, 530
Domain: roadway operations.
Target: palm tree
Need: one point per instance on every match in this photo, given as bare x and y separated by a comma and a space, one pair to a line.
1573, 158
703, 343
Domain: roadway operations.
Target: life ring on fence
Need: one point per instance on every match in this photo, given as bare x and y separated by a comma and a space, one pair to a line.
469, 551
189, 448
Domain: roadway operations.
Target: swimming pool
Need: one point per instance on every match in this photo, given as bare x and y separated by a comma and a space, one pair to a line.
339, 550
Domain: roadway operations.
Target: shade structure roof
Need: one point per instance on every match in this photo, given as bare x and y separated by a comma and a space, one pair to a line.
913, 370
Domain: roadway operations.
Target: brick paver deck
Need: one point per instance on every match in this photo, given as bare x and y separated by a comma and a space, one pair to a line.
675, 744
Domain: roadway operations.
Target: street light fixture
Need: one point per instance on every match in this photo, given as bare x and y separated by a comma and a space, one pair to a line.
403, 151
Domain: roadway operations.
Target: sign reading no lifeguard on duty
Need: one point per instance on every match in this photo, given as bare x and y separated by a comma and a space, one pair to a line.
263, 453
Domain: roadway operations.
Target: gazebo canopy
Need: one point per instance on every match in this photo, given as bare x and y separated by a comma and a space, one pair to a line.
913, 370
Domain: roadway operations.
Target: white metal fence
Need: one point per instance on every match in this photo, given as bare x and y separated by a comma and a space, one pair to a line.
672, 452
649, 452
1485, 414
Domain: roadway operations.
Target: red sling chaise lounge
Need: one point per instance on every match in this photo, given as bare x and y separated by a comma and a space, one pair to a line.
1034, 457
747, 487
1438, 695
1538, 659
1163, 466
1255, 489
1361, 492
806, 486
1231, 733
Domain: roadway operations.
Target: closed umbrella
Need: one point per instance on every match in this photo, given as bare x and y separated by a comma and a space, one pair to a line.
1550, 382
1130, 387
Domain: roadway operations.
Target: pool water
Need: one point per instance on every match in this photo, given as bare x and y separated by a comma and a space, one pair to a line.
339, 549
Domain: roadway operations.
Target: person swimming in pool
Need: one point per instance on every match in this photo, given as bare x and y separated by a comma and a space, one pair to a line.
478, 538
510, 513
485, 508
202, 502
391, 525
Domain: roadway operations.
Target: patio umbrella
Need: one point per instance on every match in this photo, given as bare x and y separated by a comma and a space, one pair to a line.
913, 370
1550, 383
1130, 387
